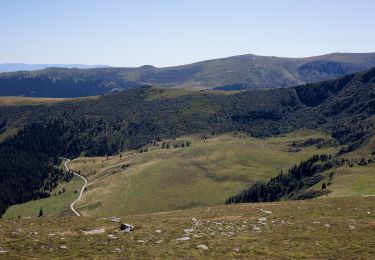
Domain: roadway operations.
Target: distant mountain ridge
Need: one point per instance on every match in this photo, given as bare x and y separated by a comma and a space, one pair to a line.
12, 67
232, 73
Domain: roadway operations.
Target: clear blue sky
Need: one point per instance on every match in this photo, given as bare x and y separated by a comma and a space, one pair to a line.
171, 32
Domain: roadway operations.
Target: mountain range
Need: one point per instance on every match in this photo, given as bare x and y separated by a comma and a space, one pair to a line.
232, 73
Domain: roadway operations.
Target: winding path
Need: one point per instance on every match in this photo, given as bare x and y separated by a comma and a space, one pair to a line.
82, 189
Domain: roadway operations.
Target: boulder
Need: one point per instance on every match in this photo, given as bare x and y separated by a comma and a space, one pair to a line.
126, 227
203, 247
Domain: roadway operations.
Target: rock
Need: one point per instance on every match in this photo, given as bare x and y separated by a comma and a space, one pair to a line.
266, 211
158, 231
203, 247
183, 238
352, 227
63, 247
256, 228
159, 241
115, 219
112, 236
262, 221
188, 230
94, 231
236, 249
141, 241
327, 225
126, 227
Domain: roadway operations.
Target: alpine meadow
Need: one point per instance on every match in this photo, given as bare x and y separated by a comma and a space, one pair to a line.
267, 156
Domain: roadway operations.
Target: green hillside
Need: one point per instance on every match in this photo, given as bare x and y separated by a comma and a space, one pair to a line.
203, 174
133, 119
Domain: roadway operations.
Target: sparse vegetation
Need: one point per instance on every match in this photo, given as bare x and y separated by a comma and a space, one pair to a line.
312, 228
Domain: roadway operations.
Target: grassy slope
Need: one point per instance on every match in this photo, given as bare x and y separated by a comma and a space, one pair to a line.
356, 180
318, 229
201, 175
160, 93
23, 101
53, 206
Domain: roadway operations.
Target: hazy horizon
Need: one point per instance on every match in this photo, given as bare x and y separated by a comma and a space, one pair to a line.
169, 33
110, 65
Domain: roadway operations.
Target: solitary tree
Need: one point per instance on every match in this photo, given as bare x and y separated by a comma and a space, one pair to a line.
324, 185
40, 212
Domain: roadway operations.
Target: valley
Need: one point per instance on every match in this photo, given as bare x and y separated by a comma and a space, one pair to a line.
140, 148
195, 171
204, 173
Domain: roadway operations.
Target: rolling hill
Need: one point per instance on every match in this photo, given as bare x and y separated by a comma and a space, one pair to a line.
232, 73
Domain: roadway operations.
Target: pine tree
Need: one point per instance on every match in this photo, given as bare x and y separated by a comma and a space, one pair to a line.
40, 212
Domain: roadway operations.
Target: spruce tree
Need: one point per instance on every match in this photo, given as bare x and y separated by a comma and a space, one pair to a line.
40, 212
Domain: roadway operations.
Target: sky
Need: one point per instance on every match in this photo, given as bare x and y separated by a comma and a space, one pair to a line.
173, 32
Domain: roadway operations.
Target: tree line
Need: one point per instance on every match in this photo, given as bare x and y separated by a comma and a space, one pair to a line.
291, 185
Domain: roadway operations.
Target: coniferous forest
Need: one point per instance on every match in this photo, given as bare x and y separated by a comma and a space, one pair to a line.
292, 185
28, 166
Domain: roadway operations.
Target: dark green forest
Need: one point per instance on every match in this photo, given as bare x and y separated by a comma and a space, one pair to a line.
28, 165
292, 185
136, 117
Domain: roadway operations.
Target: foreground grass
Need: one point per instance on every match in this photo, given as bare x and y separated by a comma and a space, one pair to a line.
204, 174
336, 228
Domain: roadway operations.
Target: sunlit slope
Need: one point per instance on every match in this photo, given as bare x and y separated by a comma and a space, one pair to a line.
23, 101
357, 178
202, 174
